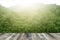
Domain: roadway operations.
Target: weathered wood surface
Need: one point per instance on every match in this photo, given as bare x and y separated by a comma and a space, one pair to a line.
29, 36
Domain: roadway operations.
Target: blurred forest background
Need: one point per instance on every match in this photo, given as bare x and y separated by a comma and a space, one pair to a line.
46, 19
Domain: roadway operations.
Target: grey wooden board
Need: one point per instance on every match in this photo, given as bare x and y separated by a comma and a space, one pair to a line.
29, 36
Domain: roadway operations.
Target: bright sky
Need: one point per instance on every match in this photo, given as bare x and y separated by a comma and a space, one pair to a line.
9, 3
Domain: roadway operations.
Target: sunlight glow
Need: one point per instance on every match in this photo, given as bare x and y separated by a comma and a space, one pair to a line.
20, 5
25, 3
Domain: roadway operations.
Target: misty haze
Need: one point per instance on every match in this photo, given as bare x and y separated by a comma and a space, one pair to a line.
29, 16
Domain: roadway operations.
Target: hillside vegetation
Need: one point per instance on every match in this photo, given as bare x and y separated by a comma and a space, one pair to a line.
43, 18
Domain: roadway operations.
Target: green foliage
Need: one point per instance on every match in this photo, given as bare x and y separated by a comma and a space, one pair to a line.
46, 19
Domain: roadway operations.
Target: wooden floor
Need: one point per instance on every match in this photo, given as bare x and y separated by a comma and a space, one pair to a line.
29, 36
